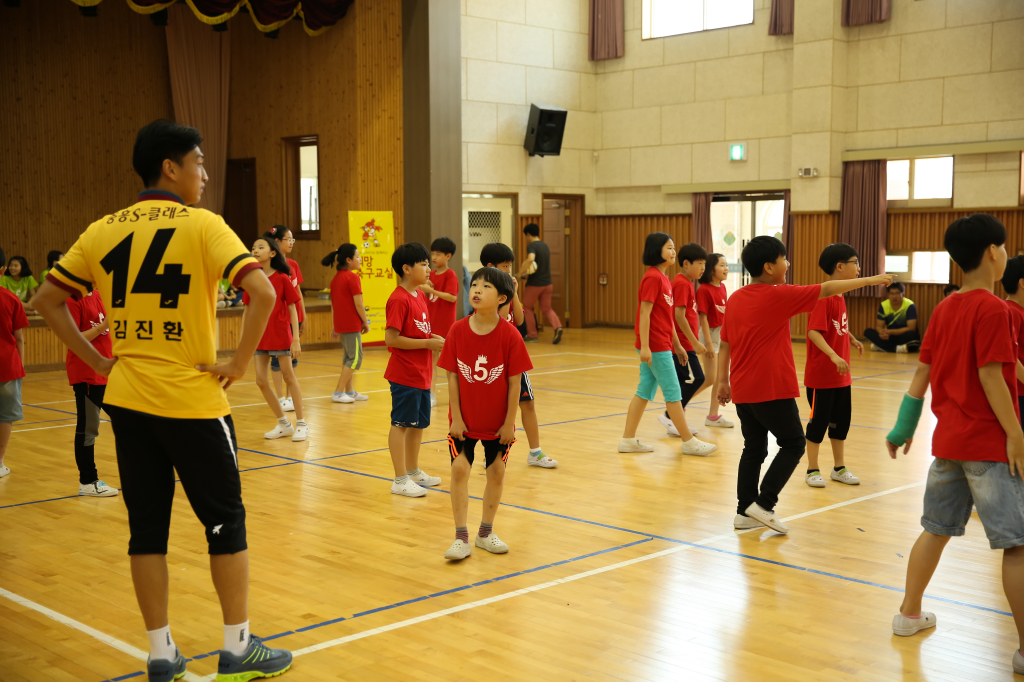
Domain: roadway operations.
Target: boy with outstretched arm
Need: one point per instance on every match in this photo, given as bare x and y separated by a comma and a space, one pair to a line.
484, 358
410, 368
969, 359
498, 255
827, 370
759, 374
442, 290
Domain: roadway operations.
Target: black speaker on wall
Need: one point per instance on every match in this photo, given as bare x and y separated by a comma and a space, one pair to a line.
544, 131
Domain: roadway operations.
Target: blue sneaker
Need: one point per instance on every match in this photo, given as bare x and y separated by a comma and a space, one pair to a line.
162, 670
259, 660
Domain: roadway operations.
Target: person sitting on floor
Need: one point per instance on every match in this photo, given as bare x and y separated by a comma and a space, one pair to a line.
897, 323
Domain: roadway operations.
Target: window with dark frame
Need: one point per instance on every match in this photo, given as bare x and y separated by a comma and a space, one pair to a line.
302, 185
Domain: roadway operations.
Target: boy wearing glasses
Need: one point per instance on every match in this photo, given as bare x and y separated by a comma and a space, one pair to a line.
827, 371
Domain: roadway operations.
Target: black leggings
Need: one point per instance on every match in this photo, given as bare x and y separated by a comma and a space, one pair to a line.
88, 403
781, 418
688, 385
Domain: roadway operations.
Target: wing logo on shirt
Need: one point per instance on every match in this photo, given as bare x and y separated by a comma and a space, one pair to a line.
720, 308
668, 299
695, 306
423, 326
842, 327
480, 372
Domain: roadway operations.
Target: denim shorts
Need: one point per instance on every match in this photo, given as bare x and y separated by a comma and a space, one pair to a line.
273, 353
275, 365
10, 402
661, 372
954, 485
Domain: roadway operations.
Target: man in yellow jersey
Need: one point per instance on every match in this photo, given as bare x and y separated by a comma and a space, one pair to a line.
157, 264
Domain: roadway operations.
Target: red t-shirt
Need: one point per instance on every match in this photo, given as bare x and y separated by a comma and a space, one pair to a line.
966, 332
296, 281
88, 312
408, 314
1017, 313
344, 286
484, 365
278, 334
756, 327
829, 318
12, 318
442, 313
656, 288
711, 302
682, 292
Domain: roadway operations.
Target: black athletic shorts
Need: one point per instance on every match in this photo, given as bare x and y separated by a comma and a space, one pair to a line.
525, 388
492, 449
203, 452
830, 411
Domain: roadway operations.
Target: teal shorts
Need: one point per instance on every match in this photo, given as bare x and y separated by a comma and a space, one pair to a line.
661, 372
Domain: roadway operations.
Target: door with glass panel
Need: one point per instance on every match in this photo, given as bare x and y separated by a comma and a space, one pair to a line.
735, 220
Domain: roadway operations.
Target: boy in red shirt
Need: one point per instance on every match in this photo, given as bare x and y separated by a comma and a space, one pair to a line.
484, 358
409, 371
827, 370
88, 313
442, 292
762, 377
12, 350
1013, 283
969, 358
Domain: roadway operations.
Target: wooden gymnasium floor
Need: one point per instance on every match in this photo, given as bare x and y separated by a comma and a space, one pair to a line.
623, 567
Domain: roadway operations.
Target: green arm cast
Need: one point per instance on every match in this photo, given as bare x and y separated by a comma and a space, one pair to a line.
906, 422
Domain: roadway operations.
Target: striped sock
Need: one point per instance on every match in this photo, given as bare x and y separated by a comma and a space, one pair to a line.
462, 533
399, 480
414, 472
485, 529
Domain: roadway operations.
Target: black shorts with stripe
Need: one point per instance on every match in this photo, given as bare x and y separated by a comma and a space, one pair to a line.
492, 449
203, 452
831, 412
525, 388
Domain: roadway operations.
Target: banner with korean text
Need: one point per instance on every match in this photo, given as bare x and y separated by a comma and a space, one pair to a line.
373, 233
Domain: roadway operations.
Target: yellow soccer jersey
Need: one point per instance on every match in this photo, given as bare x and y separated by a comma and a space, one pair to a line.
157, 264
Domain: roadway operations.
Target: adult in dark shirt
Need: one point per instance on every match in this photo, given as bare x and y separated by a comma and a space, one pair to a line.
538, 285
896, 324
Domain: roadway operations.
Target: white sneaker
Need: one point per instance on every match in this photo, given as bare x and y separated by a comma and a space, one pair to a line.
342, 398
356, 395
287, 405
425, 480
742, 522
492, 544
458, 551
816, 480
876, 348
634, 445
409, 489
904, 627
1018, 662
542, 461
695, 446
721, 422
433, 400
902, 348
844, 476
280, 431
667, 423
96, 489
4, 470
766, 518
301, 433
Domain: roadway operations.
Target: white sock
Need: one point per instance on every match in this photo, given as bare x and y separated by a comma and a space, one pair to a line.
161, 646
236, 638
535, 451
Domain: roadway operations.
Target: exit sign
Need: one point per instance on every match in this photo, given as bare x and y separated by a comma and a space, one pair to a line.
738, 152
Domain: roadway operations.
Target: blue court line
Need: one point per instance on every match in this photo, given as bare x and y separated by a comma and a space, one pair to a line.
887, 374
51, 409
45, 421
414, 600
52, 499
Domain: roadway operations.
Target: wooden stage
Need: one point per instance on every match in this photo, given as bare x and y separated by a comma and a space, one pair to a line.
622, 567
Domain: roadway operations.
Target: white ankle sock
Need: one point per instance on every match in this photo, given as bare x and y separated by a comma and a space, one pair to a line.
161, 646
236, 638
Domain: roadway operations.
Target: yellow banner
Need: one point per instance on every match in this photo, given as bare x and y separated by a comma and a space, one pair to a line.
373, 233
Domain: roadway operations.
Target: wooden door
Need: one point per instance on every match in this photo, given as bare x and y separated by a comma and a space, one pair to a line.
553, 224
240, 199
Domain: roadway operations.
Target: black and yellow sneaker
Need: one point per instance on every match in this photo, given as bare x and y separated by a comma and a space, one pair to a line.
162, 670
259, 660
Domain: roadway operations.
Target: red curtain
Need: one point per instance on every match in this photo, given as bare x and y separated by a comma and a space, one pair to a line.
788, 238
861, 12
780, 22
607, 30
863, 219
702, 220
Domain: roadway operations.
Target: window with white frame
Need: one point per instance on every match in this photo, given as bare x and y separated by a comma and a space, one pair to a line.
920, 182
925, 267
660, 18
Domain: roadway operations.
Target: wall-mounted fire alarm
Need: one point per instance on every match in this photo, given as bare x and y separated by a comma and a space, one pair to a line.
807, 172
602, 279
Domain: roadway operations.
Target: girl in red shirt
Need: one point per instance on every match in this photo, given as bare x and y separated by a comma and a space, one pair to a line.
711, 298
349, 317
281, 338
286, 240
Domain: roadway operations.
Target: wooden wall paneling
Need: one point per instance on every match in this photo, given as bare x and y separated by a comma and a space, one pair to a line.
812, 232
75, 92
613, 245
